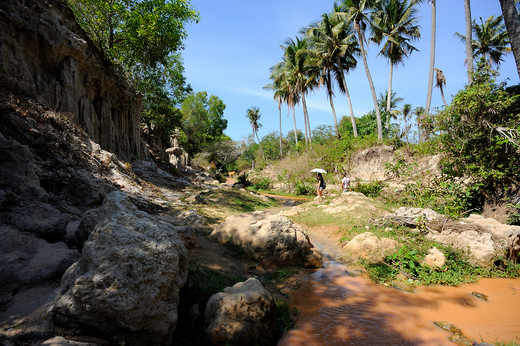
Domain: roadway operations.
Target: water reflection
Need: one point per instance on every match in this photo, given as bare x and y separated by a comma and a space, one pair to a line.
336, 308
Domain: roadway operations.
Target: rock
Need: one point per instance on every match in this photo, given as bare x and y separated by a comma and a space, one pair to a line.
369, 247
26, 259
128, 278
244, 314
61, 341
18, 170
435, 258
39, 218
273, 238
506, 237
478, 244
85, 190
480, 295
417, 214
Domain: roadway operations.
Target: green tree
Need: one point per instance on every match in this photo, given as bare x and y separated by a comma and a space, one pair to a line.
202, 121
491, 40
132, 32
358, 12
395, 23
480, 132
164, 89
334, 46
253, 114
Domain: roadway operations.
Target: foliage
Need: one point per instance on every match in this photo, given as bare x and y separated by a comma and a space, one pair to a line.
409, 259
284, 313
262, 184
370, 189
514, 219
135, 33
444, 195
480, 134
398, 167
303, 188
202, 121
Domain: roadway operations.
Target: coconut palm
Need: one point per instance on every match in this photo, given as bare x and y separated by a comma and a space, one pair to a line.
394, 22
300, 74
392, 111
253, 114
512, 20
440, 82
358, 12
334, 47
406, 112
469, 51
279, 94
432, 51
491, 40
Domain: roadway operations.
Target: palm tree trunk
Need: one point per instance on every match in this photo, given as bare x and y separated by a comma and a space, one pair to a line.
432, 64
261, 149
306, 118
334, 116
512, 20
443, 99
369, 77
295, 129
389, 95
280, 119
469, 41
352, 118
305, 124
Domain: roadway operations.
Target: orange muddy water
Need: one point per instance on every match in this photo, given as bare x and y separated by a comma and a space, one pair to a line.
335, 308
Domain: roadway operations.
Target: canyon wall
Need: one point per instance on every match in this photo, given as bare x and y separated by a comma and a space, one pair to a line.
45, 55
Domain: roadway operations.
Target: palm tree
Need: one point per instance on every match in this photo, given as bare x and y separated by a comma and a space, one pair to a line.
469, 51
491, 40
279, 96
432, 52
440, 82
253, 114
406, 112
301, 75
396, 21
357, 12
391, 113
512, 20
334, 47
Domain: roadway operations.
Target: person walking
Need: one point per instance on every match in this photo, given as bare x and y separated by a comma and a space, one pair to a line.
345, 182
321, 184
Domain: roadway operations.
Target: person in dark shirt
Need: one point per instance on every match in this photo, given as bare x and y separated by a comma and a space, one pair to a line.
321, 184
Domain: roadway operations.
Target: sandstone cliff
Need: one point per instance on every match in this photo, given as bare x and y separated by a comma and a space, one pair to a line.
46, 56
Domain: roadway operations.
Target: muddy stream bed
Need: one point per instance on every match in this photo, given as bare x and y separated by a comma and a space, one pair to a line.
338, 308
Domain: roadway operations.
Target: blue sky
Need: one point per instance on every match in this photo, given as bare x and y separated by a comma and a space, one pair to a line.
228, 53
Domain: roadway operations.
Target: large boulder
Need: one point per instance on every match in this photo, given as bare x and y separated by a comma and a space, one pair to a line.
127, 282
273, 238
244, 314
27, 259
369, 247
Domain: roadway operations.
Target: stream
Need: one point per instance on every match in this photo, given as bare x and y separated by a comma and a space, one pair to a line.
336, 307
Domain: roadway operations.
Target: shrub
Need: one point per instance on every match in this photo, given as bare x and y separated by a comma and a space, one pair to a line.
370, 189
303, 188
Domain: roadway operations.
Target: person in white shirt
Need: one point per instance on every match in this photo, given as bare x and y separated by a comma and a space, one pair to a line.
345, 182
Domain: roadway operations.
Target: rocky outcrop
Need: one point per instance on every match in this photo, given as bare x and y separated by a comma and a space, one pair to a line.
244, 314
45, 55
127, 282
483, 239
272, 238
369, 247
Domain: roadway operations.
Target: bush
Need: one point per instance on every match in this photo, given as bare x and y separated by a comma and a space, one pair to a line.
262, 184
303, 188
480, 132
370, 189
